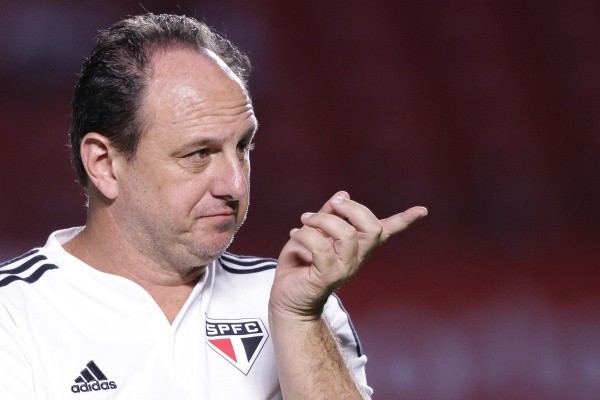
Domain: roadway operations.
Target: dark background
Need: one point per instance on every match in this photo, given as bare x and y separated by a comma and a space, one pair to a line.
486, 112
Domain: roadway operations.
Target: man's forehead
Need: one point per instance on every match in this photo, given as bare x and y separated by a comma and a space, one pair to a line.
224, 67
185, 63
189, 75
195, 94
186, 78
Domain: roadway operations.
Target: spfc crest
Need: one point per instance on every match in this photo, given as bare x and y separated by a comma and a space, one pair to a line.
239, 341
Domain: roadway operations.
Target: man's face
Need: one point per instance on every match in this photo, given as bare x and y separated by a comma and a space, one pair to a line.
185, 193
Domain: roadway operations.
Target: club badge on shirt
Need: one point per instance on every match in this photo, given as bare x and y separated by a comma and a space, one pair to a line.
239, 341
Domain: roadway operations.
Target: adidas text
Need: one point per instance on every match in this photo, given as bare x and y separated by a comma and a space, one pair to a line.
93, 386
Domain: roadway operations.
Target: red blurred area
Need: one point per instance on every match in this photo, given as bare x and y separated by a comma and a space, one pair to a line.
486, 112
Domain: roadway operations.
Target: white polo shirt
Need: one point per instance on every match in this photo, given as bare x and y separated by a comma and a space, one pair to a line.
69, 331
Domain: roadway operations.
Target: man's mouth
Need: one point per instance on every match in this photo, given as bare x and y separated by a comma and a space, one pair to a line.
224, 213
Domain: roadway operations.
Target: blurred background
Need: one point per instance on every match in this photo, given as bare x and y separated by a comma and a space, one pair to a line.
486, 112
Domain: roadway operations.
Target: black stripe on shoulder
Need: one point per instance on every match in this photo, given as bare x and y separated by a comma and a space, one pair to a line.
29, 279
247, 261
245, 264
356, 339
29, 253
25, 266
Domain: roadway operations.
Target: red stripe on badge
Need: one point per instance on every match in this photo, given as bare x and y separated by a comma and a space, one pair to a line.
225, 346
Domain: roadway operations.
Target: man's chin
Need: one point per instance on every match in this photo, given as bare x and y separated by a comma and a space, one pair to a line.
209, 247
207, 252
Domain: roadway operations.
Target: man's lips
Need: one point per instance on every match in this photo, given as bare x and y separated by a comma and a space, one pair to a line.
229, 209
224, 213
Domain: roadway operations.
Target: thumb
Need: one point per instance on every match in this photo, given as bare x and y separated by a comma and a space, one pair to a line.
399, 222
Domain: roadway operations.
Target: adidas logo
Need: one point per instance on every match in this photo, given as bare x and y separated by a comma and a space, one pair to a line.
92, 379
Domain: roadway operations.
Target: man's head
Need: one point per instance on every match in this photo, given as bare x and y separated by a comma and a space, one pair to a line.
162, 131
113, 79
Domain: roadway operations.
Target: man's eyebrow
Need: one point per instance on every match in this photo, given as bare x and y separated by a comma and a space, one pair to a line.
207, 141
200, 142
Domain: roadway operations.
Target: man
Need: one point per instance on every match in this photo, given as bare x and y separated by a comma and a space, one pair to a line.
144, 302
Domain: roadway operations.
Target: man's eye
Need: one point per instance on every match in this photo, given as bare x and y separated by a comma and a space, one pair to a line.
198, 155
245, 148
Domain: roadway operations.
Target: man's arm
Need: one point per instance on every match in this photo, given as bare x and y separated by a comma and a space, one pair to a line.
309, 362
322, 255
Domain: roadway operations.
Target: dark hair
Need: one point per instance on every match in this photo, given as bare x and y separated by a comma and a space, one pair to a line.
108, 95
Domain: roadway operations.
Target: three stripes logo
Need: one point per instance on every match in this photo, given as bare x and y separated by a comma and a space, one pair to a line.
239, 341
24, 268
92, 379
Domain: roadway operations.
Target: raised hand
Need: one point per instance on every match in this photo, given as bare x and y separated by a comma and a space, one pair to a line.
328, 250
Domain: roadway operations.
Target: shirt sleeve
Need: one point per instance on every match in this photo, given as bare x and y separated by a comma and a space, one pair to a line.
16, 380
339, 321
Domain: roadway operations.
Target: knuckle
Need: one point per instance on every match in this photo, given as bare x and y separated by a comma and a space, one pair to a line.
378, 230
322, 246
350, 233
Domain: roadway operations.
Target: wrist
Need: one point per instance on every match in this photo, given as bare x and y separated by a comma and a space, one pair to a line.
280, 314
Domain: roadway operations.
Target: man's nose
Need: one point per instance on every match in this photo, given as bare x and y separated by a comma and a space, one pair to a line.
230, 179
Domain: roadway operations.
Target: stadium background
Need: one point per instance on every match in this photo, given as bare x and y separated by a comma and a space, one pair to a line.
484, 111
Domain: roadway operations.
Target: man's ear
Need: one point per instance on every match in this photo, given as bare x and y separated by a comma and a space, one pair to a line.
98, 158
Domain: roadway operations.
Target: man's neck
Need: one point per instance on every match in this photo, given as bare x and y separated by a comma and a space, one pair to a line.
170, 288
